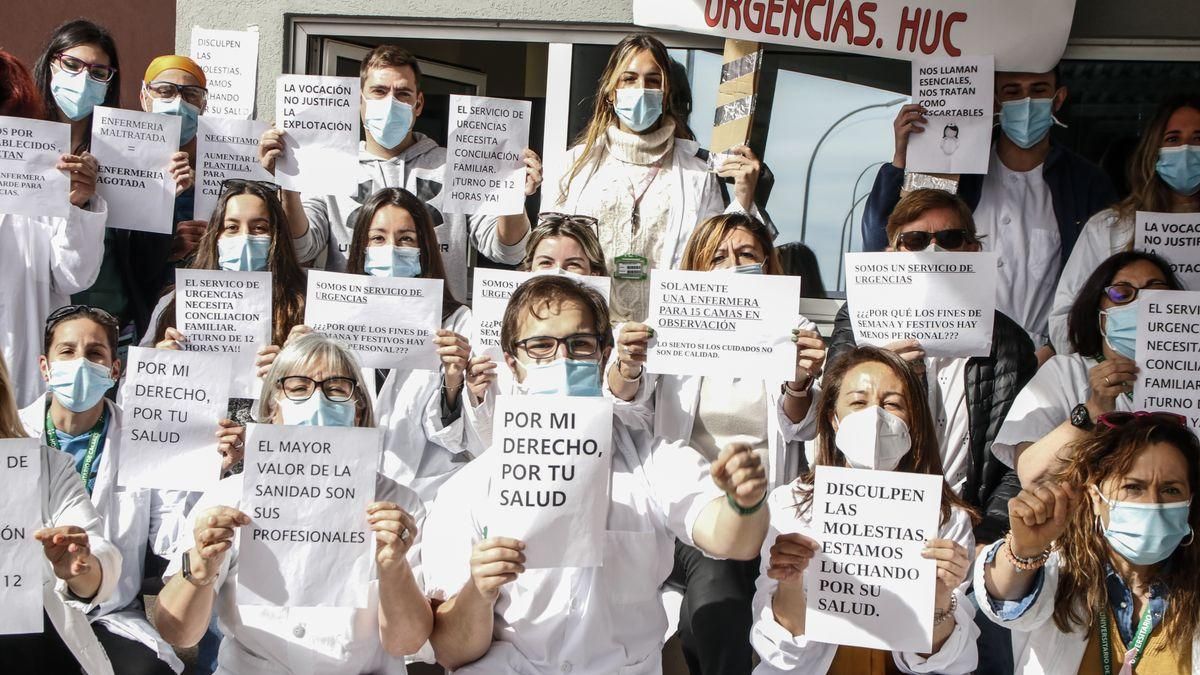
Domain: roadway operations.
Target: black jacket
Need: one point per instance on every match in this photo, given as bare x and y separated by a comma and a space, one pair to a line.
993, 382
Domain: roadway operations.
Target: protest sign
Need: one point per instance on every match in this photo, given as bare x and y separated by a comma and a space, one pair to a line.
229, 59
957, 96
946, 301
549, 485
1168, 354
723, 324
485, 155
1175, 237
306, 490
228, 313
868, 586
319, 117
30, 183
171, 403
22, 562
387, 322
134, 149
225, 148
893, 30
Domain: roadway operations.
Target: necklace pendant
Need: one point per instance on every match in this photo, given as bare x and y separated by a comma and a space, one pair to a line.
635, 218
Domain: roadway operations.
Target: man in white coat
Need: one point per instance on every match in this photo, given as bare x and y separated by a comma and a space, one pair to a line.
493, 615
393, 155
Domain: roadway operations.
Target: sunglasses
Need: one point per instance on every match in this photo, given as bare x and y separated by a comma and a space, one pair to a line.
1117, 418
239, 183
1123, 292
952, 240
97, 71
555, 218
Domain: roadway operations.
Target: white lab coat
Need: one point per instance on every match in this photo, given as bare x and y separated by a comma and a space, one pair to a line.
1039, 647
66, 503
42, 262
418, 451
585, 621
133, 518
781, 652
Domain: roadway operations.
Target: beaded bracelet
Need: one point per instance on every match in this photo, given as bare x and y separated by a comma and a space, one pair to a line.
940, 615
1024, 564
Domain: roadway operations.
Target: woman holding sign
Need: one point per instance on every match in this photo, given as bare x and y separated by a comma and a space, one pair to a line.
86, 566
1063, 400
313, 381
872, 414
420, 410
1098, 574
707, 413
1164, 176
636, 170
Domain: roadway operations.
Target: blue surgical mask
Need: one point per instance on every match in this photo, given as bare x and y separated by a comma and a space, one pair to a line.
388, 120
180, 108
562, 377
753, 268
243, 253
1179, 168
79, 384
1145, 534
1120, 328
639, 109
76, 95
1027, 121
317, 411
393, 261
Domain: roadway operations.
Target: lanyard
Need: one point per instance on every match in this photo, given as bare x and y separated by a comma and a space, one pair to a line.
1139, 639
636, 213
89, 458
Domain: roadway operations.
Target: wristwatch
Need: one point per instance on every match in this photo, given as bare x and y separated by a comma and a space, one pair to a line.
1081, 418
187, 573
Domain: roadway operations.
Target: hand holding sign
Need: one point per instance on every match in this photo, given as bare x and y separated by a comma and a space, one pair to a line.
213, 537
454, 351
1108, 380
739, 473
952, 567
394, 531
187, 237
182, 172
910, 120
1039, 516
231, 443
481, 373
810, 355
67, 550
911, 352
632, 343
533, 172
83, 169
173, 338
495, 562
743, 167
270, 148
790, 556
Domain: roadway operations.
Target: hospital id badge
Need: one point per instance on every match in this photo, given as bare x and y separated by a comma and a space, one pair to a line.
631, 267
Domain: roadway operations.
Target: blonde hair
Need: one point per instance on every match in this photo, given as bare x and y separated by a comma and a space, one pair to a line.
308, 351
603, 115
10, 418
1147, 190
582, 234
704, 241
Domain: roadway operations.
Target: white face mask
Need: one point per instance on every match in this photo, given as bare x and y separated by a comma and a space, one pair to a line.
873, 438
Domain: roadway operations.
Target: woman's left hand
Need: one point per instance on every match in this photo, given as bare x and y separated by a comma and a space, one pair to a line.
743, 167
394, 533
231, 443
182, 172
83, 170
454, 351
810, 357
533, 171
173, 338
953, 564
739, 472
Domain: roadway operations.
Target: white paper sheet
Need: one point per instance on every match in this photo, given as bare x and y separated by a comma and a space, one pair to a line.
225, 148
549, 487
485, 169
227, 313
22, 562
134, 149
319, 117
1175, 237
306, 491
30, 185
230, 62
1168, 354
957, 94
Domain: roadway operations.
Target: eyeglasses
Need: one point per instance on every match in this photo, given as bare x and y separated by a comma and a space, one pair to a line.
1118, 418
168, 91
239, 183
546, 347
300, 388
555, 218
1123, 292
948, 239
97, 71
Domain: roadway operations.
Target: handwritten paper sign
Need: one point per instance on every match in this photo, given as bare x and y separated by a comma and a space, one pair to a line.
550, 484
1175, 237
722, 324
230, 62
306, 490
30, 185
1168, 354
486, 168
134, 149
21, 560
868, 586
319, 116
225, 148
387, 322
947, 301
957, 95
227, 313
171, 403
